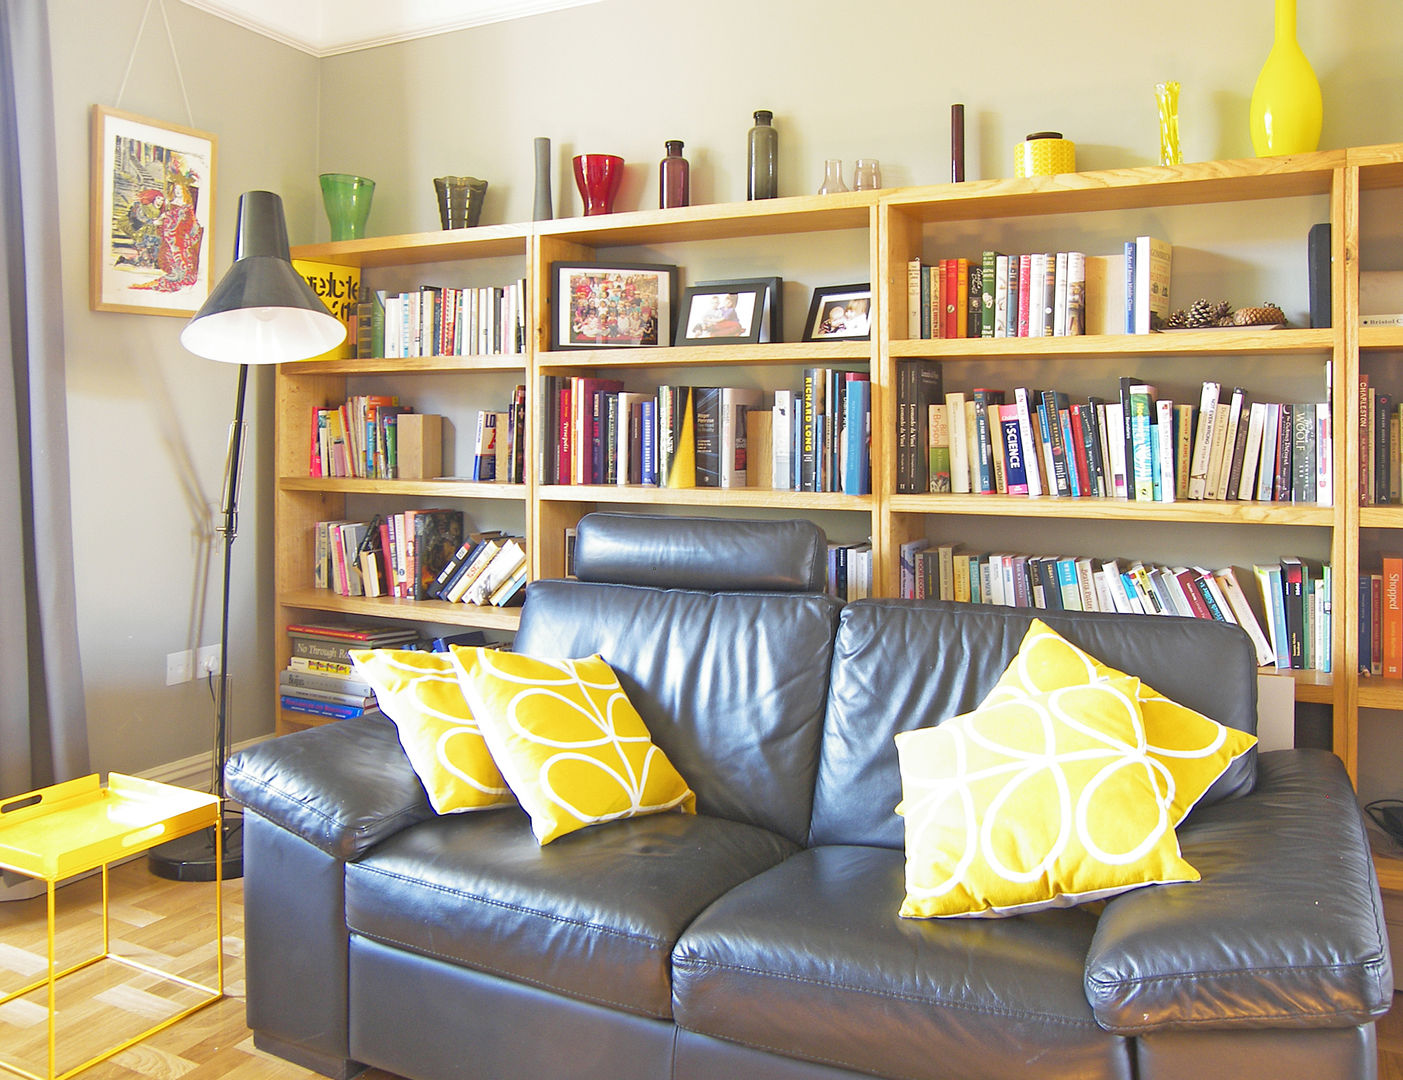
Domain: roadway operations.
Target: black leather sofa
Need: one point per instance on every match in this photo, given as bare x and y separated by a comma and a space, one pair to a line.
760, 938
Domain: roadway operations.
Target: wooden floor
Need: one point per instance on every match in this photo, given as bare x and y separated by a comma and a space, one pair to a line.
170, 925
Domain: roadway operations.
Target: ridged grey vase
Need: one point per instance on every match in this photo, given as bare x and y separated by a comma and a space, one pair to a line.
542, 209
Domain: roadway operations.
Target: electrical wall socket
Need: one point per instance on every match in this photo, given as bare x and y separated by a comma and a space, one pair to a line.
180, 667
207, 661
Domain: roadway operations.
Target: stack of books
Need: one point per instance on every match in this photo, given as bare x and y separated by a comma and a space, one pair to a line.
320, 679
440, 320
486, 569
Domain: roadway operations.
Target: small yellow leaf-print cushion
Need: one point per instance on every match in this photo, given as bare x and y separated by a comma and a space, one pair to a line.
570, 745
419, 691
1046, 801
1190, 750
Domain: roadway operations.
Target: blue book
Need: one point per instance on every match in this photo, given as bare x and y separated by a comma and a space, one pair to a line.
856, 426
1130, 247
1064, 422
1366, 623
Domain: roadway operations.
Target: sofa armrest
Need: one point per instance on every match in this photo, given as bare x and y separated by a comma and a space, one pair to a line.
342, 787
1286, 928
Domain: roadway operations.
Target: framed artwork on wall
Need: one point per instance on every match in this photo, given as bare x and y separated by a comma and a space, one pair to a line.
152, 208
602, 305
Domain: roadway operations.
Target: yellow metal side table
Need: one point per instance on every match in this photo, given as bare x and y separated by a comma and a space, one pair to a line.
72, 828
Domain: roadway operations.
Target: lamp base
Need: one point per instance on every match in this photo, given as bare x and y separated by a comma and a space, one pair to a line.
192, 858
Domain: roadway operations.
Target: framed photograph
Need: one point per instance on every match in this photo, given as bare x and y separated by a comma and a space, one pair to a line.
840, 313
771, 314
152, 206
726, 313
612, 305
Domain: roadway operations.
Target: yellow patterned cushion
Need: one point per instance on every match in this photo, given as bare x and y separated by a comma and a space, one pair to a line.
1190, 750
1047, 801
571, 746
419, 691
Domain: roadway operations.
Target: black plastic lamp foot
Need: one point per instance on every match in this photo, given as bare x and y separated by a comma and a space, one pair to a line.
192, 858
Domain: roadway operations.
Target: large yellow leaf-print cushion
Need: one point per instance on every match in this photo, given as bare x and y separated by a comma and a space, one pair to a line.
420, 692
568, 741
1046, 801
1189, 750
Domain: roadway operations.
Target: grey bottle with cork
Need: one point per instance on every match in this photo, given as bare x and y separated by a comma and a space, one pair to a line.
762, 163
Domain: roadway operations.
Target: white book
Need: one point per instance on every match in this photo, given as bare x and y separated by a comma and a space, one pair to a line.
1232, 591
1115, 587
1037, 311
1074, 319
1001, 319
1152, 265
1203, 441
734, 403
1115, 448
1059, 296
995, 594
782, 440
1325, 457
1235, 403
913, 298
1031, 448
1164, 429
1266, 468
1206, 576
1256, 421
959, 443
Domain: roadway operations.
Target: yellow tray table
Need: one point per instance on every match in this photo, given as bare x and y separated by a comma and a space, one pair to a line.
57, 832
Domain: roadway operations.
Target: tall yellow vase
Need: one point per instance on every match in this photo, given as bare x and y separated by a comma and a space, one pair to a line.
1286, 106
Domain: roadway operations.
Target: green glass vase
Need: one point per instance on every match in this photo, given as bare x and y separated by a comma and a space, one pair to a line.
347, 201
1286, 105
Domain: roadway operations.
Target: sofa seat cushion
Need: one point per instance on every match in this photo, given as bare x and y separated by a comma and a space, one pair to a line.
810, 960
594, 915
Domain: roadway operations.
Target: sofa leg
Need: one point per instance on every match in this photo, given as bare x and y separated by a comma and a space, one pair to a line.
336, 1068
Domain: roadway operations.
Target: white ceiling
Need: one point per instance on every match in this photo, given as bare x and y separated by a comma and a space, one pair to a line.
328, 27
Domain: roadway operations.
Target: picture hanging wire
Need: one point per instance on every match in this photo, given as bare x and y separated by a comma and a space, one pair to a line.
175, 57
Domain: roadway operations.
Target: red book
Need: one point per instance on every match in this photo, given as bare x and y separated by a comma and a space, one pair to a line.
1392, 616
1078, 453
1188, 581
949, 296
563, 444
1025, 272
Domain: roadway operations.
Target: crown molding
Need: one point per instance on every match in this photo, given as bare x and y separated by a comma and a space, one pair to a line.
330, 27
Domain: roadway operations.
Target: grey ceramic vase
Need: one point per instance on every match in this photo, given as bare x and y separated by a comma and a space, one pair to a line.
541, 211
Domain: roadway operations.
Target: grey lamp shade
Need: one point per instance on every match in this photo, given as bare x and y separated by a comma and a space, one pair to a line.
262, 311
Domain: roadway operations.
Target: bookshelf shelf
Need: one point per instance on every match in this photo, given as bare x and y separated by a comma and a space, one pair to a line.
445, 487
714, 497
1121, 346
386, 607
409, 365
1233, 513
780, 353
1376, 692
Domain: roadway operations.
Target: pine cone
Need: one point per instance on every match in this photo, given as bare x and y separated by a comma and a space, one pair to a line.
1260, 315
1177, 320
1222, 310
1200, 314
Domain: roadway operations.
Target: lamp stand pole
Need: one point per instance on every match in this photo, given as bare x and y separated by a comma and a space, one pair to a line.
193, 857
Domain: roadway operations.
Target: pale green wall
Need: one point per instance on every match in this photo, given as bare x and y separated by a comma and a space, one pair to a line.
149, 421
620, 76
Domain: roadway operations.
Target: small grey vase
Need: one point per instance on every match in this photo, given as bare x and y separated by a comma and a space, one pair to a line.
542, 209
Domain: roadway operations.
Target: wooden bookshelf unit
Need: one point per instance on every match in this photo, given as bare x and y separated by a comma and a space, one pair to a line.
1238, 229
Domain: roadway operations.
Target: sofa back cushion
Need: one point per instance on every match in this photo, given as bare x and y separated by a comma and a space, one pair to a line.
731, 686
899, 665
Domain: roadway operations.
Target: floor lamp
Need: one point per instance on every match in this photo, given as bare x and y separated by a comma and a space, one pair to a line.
262, 312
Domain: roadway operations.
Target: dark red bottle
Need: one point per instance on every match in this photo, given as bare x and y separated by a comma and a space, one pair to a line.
674, 179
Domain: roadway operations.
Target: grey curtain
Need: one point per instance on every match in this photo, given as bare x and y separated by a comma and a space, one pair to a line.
43, 723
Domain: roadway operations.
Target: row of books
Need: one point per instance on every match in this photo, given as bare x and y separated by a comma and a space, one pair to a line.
1381, 619
499, 443
1380, 445
1136, 445
849, 570
711, 436
442, 320
1284, 607
320, 679
357, 438
1040, 294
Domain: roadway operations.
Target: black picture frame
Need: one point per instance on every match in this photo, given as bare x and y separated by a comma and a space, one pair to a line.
772, 324
725, 313
612, 305
820, 325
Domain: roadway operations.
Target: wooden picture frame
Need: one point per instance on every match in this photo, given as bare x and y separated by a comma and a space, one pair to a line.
151, 215
723, 313
840, 313
608, 305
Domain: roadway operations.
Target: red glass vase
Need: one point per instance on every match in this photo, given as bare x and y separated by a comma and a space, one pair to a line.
598, 177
